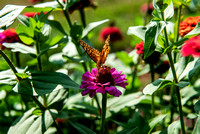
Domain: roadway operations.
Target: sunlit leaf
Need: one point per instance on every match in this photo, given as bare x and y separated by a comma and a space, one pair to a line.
91, 26
196, 129
29, 123
156, 85
40, 83
197, 107
81, 128
9, 13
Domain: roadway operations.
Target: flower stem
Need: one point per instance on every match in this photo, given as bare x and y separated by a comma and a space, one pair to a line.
103, 114
134, 73
17, 59
153, 95
38, 57
38, 103
9, 63
177, 89
82, 13
97, 101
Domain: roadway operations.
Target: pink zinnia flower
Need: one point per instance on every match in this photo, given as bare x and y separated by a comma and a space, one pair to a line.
102, 81
8, 36
191, 47
114, 32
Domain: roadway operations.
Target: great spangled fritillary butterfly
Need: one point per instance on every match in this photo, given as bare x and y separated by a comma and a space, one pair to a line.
98, 57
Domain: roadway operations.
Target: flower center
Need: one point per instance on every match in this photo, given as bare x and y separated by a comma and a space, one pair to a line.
104, 76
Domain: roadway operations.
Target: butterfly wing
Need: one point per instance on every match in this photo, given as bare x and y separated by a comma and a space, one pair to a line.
93, 53
105, 51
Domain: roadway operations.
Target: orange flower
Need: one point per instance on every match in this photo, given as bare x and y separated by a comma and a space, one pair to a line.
188, 25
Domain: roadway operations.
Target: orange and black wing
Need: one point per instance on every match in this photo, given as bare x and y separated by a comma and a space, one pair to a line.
93, 53
105, 51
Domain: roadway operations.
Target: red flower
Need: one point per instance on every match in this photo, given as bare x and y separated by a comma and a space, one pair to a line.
145, 7
8, 36
191, 47
153, 58
114, 32
30, 14
188, 25
140, 47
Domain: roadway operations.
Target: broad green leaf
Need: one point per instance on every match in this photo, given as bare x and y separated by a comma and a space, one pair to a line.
55, 100
76, 31
194, 32
197, 107
82, 59
138, 31
149, 45
43, 7
9, 13
8, 77
18, 47
153, 122
81, 128
157, 85
194, 72
174, 127
29, 123
40, 83
91, 26
37, 111
56, 25
183, 70
187, 93
26, 34
169, 11
24, 20
196, 129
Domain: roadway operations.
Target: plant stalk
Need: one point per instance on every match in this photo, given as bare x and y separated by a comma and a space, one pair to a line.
134, 73
38, 57
177, 89
153, 95
103, 114
82, 14
10, 64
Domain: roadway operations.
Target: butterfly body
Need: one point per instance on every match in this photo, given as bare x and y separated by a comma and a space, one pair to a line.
98, 57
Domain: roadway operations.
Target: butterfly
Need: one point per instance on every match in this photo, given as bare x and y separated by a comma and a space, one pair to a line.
98, 57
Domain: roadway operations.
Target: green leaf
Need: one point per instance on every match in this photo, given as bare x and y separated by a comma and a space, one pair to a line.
187, 93
149, 45
194, 32
81, 128
169, 11
29, 123
9, 13
196, 129
18, 47
76, 31
174, 127
37, 111
157, 85
55, 100
194, 72
43, 7
152, 123
91, 26
138, 31
84, 58
26, 34
24, 20
197, 107
125, 58
56, 25
183, 70
40, 83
